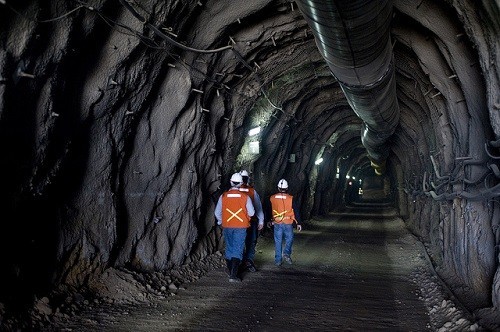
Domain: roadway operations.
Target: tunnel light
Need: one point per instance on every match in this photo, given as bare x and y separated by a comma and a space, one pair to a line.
319, 161
254, 131
254, 147
347, 176
354, 178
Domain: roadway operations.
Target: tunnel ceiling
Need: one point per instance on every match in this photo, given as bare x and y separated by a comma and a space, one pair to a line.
121, 121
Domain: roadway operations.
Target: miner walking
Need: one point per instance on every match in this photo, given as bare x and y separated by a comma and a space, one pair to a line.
233, 212
284, 214
256, 223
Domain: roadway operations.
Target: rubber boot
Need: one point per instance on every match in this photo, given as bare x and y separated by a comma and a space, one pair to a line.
235, 264
228, 267
249, 265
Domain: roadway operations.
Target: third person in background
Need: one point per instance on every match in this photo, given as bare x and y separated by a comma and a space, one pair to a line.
284, 213
256, 223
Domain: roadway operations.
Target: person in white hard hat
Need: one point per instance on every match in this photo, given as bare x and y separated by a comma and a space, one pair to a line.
256, 223
284, 214
233, 211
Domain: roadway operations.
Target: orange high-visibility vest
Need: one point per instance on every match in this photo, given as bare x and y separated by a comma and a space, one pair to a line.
234, 209
281, 204
249, 190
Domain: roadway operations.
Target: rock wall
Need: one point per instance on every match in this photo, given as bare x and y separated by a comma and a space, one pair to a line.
443, 87
116, 141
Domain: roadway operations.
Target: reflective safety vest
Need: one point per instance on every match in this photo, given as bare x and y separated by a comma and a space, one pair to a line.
281, 204
234, 209
249, 190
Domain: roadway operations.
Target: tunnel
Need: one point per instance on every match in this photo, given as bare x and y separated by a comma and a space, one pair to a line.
122, 121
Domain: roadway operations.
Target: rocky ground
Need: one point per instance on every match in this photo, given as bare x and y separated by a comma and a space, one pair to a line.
354, 273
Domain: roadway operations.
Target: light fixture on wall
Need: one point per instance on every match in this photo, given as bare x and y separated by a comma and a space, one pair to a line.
254, 131
253, 147
318, 161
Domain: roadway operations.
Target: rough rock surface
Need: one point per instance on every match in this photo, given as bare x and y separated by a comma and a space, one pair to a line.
115, 142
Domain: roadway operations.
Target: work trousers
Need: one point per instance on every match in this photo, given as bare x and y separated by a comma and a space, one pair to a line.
251, 240
235, 242
282, 232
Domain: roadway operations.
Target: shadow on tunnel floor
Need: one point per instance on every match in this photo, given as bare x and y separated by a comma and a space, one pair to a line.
375, 211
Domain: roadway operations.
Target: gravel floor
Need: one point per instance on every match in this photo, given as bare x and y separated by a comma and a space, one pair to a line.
361, 272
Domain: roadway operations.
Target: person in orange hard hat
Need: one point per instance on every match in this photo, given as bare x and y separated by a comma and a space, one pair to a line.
284, 214
256, 223
233, 212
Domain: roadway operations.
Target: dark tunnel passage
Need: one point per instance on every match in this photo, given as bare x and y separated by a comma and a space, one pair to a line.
122, 121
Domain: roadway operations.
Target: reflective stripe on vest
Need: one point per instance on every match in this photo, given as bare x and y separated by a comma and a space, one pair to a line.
248, 190
280, 215
234, 214
234, 210
282, 208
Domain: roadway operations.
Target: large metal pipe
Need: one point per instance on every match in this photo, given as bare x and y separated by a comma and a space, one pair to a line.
353, 37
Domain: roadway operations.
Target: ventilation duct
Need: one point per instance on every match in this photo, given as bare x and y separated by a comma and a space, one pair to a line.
353, 37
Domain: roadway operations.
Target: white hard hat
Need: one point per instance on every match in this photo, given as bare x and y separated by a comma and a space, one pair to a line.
244, 173
282, 184
236, 178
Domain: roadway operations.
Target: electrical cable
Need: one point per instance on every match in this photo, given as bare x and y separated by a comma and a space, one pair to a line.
167, 38
41, 21
60, 17
488, 152
481, 195
436, 171
187, 48
259, 79
149, 42
495, 144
